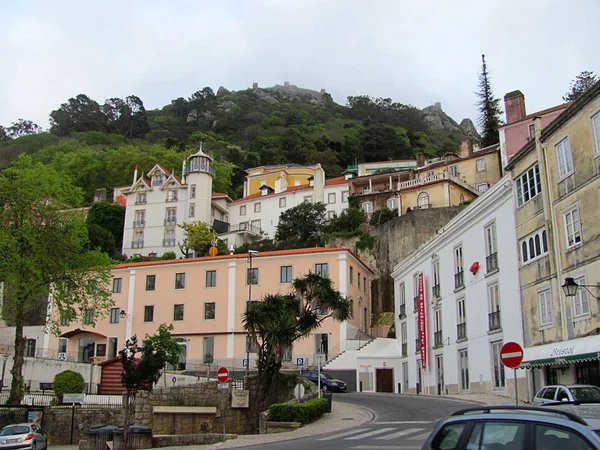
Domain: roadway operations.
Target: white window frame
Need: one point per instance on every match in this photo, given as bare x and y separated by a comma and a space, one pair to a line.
564, 158
282, 202
392, 203
581, 301
367, 207
345, 195
453, 170
545, 308
242, 210
482, 187
257, 207
480, 165
491, 245
596, 132
528, 185
531, 131
192, 191
192, 212
307, 199
331, 198
529, 245
572, 219
402, 295
500, 383
330, 215
423, 200
458, 259
493, 291
461, 310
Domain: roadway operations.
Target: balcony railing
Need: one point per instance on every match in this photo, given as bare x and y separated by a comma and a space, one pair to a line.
461, 331
140, 201
459, 280
171, 199
139, 223
437, 338
404, 349
137, 244
245, 227
436, 291
402, 314
169, 242
416, 300
417, 345
494, 320
491, 262
171, 221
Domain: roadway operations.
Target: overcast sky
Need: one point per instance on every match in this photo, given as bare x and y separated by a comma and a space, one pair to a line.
413, 51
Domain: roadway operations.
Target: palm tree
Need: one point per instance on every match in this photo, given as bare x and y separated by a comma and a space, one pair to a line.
276, 322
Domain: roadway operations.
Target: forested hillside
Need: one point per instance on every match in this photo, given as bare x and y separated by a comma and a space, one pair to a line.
98, 145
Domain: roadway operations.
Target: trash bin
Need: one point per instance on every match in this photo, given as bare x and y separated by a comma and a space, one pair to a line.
139, 436
98, 435
328, 395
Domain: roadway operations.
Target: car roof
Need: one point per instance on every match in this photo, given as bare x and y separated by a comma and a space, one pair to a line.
569, 386
17, 425
518, 417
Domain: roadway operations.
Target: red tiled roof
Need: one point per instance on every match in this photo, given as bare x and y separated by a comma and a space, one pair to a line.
297, 251
218, 194
335, 181
543, 112
167, 172
330, 182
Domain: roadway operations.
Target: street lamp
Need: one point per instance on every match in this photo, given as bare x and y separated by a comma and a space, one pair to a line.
570, 288
251, 254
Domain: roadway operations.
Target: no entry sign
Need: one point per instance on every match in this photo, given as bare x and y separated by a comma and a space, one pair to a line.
222, 374
511, 355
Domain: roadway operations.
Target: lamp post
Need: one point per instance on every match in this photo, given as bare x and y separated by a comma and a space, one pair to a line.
570, 288
249, 280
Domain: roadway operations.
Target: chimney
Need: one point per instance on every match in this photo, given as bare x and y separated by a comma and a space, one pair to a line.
286, 83
255, 85
420, 160
135, 174
466, 148
514, 105
183, 171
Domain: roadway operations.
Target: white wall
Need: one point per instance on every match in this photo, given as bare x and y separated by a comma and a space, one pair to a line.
496, 206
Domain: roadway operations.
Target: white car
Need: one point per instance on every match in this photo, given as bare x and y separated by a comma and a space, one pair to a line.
27, 436
562, 393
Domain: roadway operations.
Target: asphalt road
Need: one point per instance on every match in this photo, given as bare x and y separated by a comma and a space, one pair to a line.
401, 422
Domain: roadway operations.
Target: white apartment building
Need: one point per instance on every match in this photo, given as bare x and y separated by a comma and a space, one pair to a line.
471, 306
260, 212
159, 201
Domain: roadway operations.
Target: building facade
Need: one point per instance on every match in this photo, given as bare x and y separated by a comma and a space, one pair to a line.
557, 186
204, 299
457, 302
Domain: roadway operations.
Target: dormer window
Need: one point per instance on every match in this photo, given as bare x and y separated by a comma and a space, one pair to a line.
264, 191
311, 181
158, 179
296, 182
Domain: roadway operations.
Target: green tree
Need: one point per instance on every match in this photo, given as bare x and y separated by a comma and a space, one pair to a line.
279, 320
142, 366
197, 236
101, 238
302, 225
224, 171
383, 215
80, 113
580, 85
45, 248
350, 219
22, 128
111, 217
490, 111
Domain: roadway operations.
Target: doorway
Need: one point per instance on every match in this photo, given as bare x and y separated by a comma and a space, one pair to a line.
439, 374
384, 380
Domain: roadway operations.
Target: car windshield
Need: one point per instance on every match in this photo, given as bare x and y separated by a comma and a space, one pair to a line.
586, 393
11, 431
328, 376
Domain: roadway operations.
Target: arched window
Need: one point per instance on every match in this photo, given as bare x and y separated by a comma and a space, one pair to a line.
531, 246
423, 200
538, 249
524, 251
544, 242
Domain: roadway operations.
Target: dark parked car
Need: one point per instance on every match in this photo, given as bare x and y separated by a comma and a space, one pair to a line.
22, 436
328, 381
512, 428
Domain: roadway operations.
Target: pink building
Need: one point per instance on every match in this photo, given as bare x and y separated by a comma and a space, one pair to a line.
204, 299
519, 128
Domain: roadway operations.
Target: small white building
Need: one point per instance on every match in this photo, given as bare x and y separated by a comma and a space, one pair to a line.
469, 275
259, 213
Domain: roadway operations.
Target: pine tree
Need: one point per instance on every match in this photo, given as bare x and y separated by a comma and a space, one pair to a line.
489, 108
580, 85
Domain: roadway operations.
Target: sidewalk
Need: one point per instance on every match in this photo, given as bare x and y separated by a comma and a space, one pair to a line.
343, 416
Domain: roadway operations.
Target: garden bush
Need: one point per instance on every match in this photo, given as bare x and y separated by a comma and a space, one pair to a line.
68, 382
306, 412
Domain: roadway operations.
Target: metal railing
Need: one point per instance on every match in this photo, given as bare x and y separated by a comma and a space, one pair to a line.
140, 202
459, 281
171, 221
402, 314
169, 242
404, 349
139, 223
245, 227
171, 199
436, 291
491, 262
494, 320
137, 244
416, 301
437, 338
461, 331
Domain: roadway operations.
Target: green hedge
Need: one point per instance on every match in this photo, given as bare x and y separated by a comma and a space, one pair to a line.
303, 412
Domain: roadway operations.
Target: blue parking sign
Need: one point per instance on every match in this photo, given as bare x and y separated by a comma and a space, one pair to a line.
244, 362
299, 362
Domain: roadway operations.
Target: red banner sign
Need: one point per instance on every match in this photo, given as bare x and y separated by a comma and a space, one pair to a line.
422, 322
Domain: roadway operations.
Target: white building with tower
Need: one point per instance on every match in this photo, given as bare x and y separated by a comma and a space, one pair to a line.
160, 200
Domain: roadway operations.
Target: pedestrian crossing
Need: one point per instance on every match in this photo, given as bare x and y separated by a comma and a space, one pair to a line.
370, 437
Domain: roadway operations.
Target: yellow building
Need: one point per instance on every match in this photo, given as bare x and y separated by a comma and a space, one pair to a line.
277, 177
450, 180
557, 186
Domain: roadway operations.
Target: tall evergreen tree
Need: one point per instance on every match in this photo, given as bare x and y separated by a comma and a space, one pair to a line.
580, 85
489, 108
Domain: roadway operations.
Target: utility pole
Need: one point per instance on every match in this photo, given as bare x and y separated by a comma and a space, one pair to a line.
249, 280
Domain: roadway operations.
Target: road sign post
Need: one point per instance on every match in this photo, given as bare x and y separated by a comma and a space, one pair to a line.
222, 375
511, 355
222, 378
